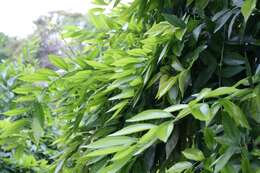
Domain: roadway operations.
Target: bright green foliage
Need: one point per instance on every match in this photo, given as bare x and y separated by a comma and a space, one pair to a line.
161, 86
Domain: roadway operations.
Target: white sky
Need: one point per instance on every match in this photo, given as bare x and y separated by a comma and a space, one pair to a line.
17, 16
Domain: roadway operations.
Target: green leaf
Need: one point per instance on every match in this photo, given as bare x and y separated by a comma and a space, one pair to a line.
146, 140
174, 20
149, 115
206, 73
97, 65
223, 159
125, 61
38, 122
235, 112
118, 105
183, 113
201, 112
221, 91
201, 4
177, 48
230, 128
183, 80
179, 167
125, 94
105, 151
229, 72
35, 77
222, 21
124, 153
175, 108
115, 166
133, 129
219, 14
14, 128
193, 154
165, 85
247, 8
15, 112
196, 32
245, 163
230, 26
209, 138
164, 130
163, 53
112, 141
176, 65
233, 58
58, 62
228, 169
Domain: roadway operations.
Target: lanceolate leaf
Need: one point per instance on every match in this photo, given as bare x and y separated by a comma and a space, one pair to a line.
133, 129
149, 115
222, 20
177, 107
221, 91
112, 141
105, 151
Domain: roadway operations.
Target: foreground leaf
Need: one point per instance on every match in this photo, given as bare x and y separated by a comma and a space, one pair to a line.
149, 115
133, 129
179, 167
111, 141
193, 154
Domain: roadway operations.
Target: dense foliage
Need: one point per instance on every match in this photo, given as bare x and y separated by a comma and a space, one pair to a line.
159, 86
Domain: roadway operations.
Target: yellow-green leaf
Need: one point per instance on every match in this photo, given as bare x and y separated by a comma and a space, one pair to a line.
247, 8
